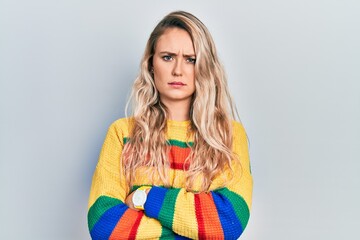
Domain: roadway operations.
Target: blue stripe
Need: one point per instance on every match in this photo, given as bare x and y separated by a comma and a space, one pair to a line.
106, 224
229, 221
180, 237
154, 202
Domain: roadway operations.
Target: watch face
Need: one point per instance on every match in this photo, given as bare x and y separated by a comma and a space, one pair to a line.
139, 198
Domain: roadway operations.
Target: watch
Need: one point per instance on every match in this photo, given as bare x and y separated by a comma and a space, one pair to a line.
139, 197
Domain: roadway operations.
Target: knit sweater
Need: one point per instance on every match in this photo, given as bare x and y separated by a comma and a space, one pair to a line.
172, 212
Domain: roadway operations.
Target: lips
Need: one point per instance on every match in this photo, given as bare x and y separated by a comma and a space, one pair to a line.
177, 83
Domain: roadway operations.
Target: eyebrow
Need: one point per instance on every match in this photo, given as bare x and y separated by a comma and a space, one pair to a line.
174, 54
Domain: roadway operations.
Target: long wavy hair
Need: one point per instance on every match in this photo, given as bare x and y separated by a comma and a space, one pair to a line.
211, 114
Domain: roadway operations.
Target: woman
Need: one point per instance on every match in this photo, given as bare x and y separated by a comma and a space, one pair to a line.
179, 167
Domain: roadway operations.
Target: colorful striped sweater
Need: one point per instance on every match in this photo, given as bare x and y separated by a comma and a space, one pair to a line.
170, 213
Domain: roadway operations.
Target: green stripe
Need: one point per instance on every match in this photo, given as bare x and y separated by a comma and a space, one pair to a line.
239, 205
171, 142
137, 186
167, 211
101, 205
178, 143
166, 234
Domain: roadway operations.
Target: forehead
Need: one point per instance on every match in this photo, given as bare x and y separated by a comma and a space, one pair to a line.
175, 40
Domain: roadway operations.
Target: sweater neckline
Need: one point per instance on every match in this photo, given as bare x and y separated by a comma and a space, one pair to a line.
176, 123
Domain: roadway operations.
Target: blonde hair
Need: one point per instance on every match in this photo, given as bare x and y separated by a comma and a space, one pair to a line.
211, 114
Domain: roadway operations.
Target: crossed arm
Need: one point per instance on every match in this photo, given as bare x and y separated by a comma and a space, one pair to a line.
169, 212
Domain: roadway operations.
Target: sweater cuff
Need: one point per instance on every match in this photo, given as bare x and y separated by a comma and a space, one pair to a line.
154, 201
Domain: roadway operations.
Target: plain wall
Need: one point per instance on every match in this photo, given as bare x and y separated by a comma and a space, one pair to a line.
66, 68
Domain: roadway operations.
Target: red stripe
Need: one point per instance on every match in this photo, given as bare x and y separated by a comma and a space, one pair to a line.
199, 217
135, 227
179, 166
177, 157
123, 227
211, 223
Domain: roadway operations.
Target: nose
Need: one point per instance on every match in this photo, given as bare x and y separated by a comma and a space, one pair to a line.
177, 71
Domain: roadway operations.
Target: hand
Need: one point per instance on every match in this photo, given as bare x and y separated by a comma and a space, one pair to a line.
129, 202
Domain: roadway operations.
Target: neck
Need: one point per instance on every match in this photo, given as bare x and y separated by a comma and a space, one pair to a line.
179, 110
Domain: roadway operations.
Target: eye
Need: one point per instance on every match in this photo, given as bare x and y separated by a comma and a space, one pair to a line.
167, 58
191, 60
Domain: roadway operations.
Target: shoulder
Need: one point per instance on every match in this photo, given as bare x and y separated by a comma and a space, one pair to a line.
240, 138
238, 128
122, 126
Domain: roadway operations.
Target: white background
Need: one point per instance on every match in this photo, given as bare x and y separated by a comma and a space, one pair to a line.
66, 68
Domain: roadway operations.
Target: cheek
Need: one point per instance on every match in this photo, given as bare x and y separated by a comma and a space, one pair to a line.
194, 87
157, 82
159, 74
191, 75
190, 70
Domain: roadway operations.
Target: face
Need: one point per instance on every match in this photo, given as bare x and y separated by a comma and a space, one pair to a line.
174, 67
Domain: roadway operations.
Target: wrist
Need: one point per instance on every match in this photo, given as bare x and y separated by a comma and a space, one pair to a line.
139, 197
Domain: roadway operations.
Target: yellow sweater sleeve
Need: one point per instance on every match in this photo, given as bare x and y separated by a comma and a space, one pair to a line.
108, 216
221, 214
